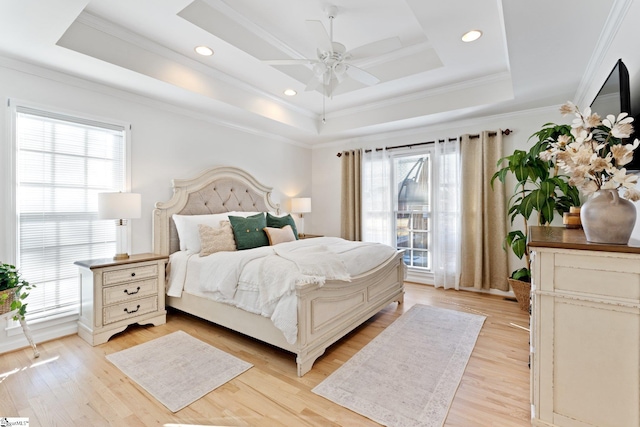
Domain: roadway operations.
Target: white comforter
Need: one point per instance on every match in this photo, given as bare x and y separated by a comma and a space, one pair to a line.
263, 280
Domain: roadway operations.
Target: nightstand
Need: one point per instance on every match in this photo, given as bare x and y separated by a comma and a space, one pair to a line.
309, 236
116, 294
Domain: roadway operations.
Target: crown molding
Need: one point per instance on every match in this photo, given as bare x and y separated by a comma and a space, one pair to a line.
142, 42
421, 95
607, 36
101, 88
440, 127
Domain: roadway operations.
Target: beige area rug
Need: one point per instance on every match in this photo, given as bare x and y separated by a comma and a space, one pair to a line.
409, 374
178, 369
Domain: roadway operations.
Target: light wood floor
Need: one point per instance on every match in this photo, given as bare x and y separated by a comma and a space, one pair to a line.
72, 384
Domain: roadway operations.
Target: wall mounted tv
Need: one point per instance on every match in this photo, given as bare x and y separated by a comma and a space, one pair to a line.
614, 98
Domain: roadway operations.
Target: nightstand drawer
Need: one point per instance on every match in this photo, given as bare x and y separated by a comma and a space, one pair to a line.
113, 277
128, 310
129, 291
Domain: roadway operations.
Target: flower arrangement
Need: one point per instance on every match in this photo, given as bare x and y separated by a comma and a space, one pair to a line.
591, 151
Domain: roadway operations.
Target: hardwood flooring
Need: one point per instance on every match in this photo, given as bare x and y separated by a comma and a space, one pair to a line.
72, 384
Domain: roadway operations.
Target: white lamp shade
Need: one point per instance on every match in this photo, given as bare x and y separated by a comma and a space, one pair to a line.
119, 205
301, 205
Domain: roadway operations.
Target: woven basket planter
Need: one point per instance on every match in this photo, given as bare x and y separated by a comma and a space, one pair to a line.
523, 293
6, 306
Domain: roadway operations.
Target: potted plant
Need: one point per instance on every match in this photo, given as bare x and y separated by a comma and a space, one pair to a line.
540, 189
13, 290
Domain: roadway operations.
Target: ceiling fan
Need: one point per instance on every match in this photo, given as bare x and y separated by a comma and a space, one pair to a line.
332, 65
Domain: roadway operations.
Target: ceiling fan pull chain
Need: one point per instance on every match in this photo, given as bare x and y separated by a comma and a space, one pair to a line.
324, 117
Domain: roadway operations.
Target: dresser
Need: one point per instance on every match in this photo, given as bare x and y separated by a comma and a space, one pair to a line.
116, 294
585, 331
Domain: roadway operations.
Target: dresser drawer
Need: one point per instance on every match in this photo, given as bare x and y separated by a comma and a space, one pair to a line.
130, 309
123, 275
129, 291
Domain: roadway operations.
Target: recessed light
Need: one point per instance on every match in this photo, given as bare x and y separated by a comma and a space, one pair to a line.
472, 35
290, 92
204, 50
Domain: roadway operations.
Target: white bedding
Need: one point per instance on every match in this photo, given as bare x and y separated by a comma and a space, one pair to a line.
262, 280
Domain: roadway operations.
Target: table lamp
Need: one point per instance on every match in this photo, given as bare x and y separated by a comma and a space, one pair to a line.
121, 207
300, 205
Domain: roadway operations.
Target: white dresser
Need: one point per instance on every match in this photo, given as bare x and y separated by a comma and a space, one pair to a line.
585, 331
116, 294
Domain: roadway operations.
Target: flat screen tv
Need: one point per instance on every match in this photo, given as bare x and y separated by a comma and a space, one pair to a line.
614, 98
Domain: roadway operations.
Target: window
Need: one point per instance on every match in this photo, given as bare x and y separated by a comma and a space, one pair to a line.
411, 200
412, 179
62, 162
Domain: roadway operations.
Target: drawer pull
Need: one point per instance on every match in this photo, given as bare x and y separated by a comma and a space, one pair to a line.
126, 291
132, 311
133, 274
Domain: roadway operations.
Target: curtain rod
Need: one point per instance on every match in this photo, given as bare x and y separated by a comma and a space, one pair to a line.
504, 132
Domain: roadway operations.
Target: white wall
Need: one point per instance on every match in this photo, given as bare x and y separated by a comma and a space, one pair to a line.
166, 143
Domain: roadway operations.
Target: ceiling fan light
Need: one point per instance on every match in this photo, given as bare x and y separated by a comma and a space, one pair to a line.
319, 69
472, 35
339, 68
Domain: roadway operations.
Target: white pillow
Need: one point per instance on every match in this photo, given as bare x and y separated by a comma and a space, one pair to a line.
187, 226
188, 232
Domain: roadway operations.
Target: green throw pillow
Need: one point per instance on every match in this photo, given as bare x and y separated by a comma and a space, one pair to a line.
249, 231
281, 221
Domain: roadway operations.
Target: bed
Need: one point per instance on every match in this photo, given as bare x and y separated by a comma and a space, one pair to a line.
324, 311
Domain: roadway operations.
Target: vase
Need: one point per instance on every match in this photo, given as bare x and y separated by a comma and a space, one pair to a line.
608, 218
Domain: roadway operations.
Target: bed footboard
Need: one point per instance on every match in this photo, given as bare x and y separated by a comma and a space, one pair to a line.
327, 313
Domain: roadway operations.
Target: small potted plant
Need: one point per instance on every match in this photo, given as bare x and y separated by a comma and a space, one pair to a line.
540, 189
13, 290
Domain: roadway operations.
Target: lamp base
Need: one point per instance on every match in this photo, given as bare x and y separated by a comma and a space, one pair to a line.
119, 257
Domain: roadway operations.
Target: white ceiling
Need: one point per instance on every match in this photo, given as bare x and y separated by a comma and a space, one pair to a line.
532, 54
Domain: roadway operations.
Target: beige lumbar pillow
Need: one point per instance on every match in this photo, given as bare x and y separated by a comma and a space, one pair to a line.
279, 235
214, 240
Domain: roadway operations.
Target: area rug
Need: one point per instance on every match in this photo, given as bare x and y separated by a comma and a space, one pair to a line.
409, 374
178, 369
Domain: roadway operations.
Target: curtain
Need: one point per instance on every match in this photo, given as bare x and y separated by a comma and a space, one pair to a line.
351, 195
377, 209
484, 261
446, 214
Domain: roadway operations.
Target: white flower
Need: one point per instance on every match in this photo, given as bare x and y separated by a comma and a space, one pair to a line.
568, 108
593, 154
631, 194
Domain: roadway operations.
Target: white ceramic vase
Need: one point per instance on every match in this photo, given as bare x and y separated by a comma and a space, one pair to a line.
608, 218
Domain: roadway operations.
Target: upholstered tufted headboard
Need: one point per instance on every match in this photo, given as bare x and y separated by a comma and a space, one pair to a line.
217, 190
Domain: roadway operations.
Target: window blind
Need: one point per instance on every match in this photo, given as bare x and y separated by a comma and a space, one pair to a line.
62, 164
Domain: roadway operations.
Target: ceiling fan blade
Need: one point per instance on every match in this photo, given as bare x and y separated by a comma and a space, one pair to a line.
376, 48
289, 61
320, 35
362, 76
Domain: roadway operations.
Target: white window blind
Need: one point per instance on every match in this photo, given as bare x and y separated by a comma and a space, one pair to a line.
62, 163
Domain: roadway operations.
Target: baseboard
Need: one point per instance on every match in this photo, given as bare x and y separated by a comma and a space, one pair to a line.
12, 340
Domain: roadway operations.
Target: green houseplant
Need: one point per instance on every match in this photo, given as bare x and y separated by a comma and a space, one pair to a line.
13, 291
539, 189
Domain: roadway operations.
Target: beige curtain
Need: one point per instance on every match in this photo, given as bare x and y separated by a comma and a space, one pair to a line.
351, 197
484, 261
